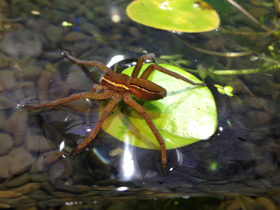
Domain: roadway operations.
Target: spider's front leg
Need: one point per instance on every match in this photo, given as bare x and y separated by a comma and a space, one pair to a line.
133, 104
100, 65
83, 95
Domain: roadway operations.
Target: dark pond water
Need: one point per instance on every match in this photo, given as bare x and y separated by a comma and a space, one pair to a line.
241, 158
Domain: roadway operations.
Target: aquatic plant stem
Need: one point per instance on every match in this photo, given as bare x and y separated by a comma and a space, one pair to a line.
244, 71
224, 54
277, 7
249, 15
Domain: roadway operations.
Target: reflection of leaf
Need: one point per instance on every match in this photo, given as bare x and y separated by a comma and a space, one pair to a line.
188, 114
175, 15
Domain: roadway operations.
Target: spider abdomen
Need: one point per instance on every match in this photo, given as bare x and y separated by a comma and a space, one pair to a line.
145, 89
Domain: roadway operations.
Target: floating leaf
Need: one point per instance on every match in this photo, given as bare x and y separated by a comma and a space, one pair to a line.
224, 90
174, 15
188, 114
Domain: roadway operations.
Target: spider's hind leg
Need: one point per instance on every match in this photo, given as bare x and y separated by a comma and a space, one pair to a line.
153, 67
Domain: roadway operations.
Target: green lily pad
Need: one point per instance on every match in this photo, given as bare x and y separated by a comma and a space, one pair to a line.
187, 114
174, 15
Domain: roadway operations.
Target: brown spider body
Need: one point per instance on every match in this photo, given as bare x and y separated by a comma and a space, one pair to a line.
140, 88
116, 86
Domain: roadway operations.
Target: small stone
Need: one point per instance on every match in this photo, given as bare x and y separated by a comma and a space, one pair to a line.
84, 188
43, 85
41, 197
62, 194
258, 12
53, 56
16, 125
2, 118
40, 177
52, 157
47, 187
4, 60
28, 188
6, 143
37, 166
54, 33
3, 5
1, 87
74, 37
10, 194
61, 169
29, 72
87, 27
92, 193
38, 144
22, 43
115, 37
5, 163
21, 160
67, 188
14, 202
7, 79
257, 3
29, 89
77, 81
5, 205
18, 181
258, 118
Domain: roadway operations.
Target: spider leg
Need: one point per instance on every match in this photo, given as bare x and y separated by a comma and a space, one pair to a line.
140, 62
98, 88
100, 65
133, 104
83, 95
110, 106
153, 67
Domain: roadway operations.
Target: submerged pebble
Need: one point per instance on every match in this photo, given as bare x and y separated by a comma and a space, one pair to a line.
18, 181
7, 79
6, 143
9, 194
21, 161
43, 85
54, 33
61, 169
38, 144
2, 118
16, 125
74, 37
51, 157
23, 43
5, 162
28, 188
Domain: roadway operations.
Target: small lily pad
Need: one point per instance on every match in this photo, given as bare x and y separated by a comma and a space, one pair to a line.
187, 114
174, 15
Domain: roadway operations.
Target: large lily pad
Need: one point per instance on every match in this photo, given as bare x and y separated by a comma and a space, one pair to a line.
174, 15
188, 114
